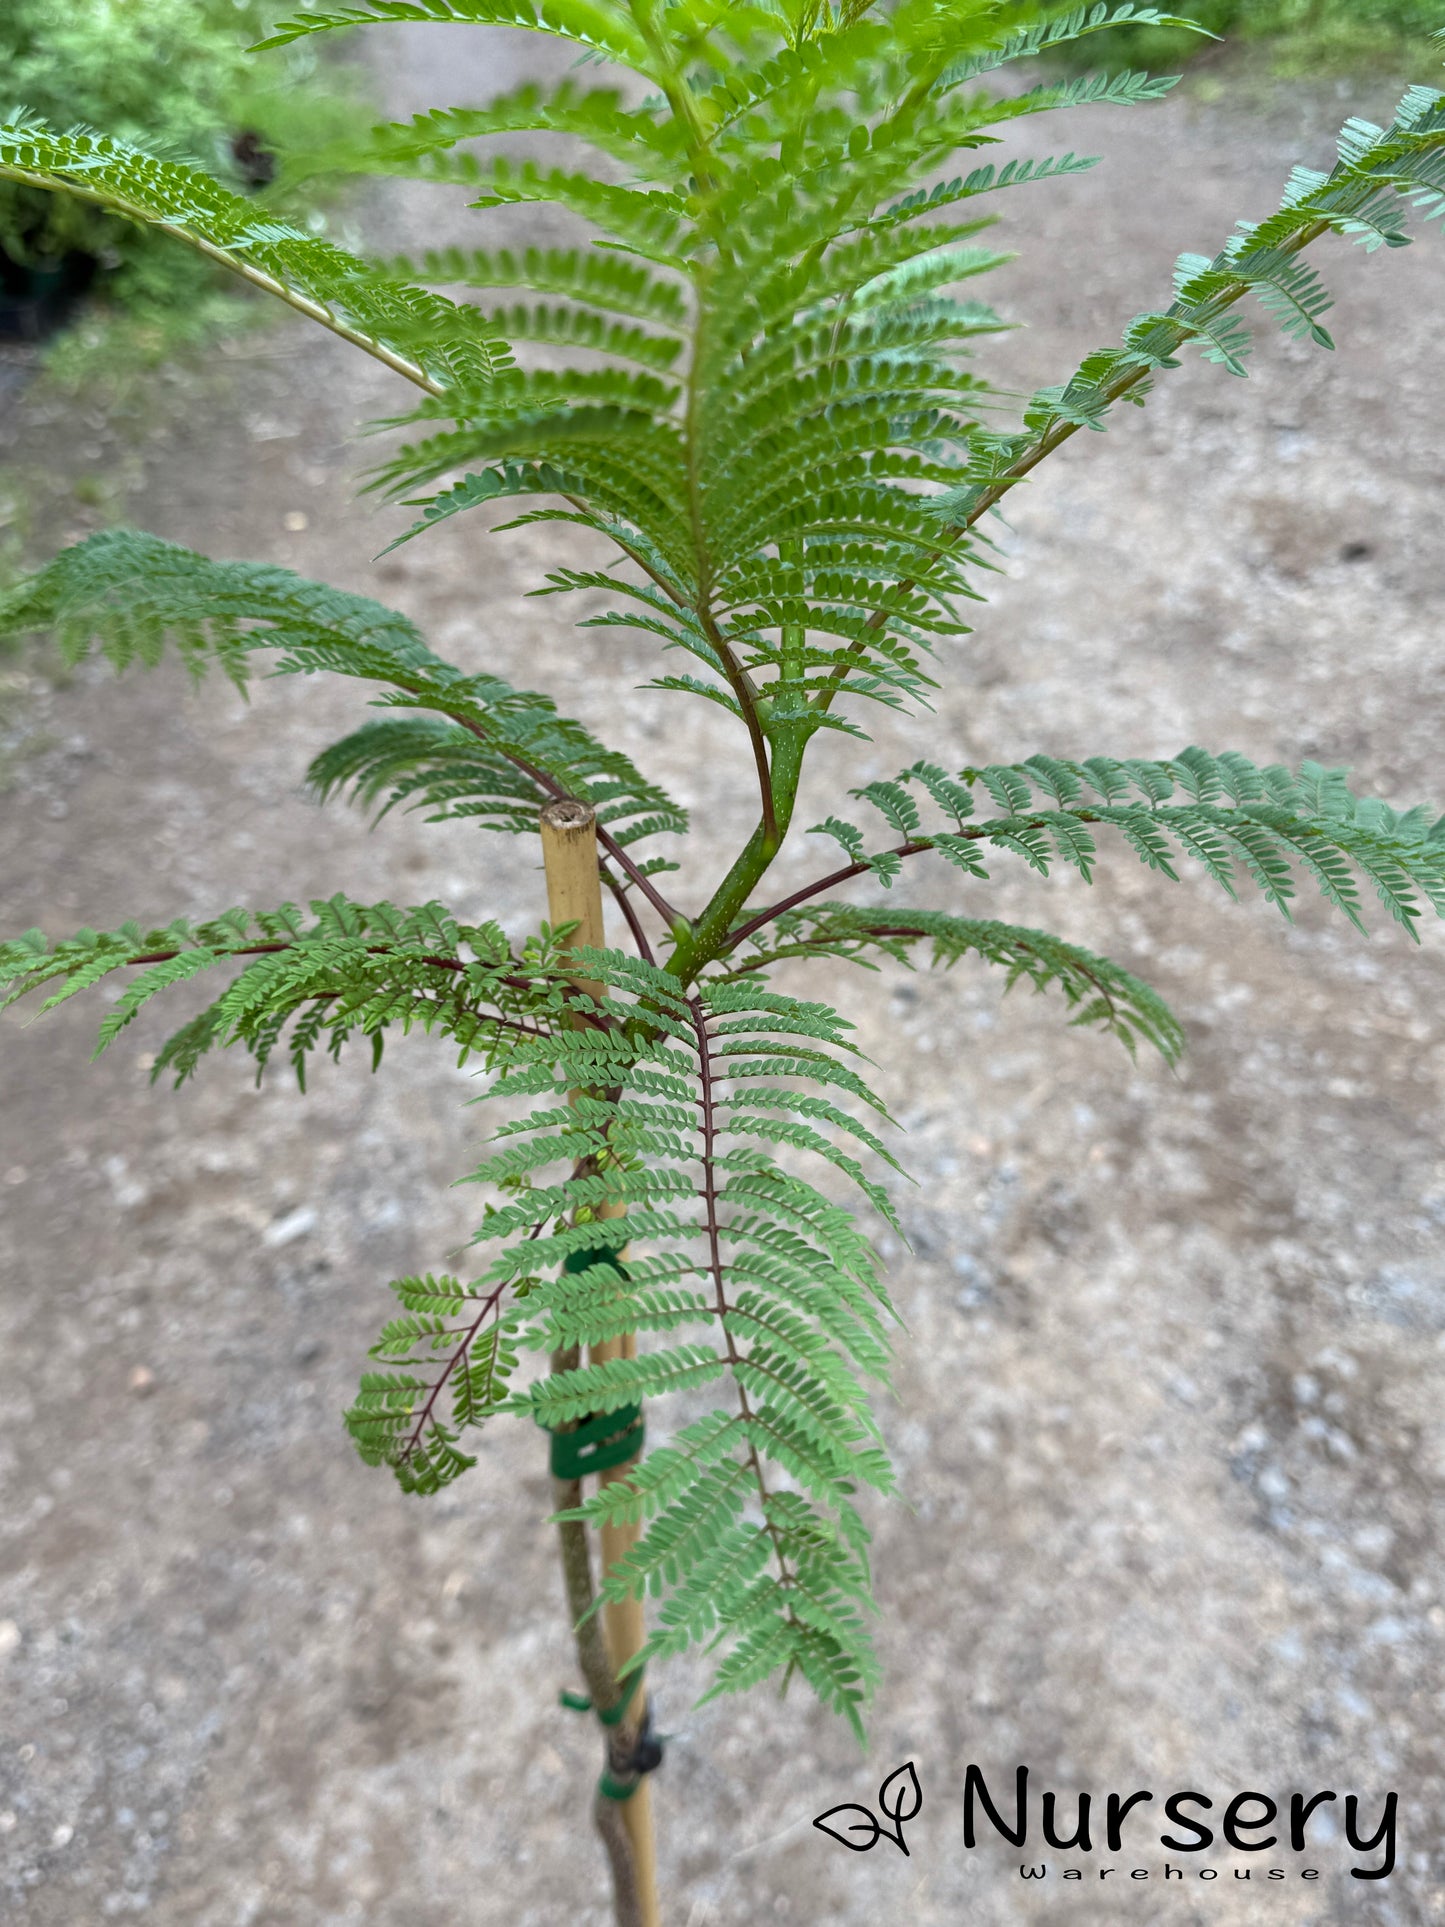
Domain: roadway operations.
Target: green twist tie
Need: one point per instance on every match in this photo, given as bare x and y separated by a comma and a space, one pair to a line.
580, 1703
597, 1444
608, 1785
609, 1438
594, 1255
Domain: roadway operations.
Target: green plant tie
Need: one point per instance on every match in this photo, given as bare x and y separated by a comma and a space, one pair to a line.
649, 1756
607, 1439
598, 1443
612, 1715
594, 1445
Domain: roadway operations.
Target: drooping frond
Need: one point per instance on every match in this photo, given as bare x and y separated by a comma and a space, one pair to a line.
448, 1359
132, 594
430, 764
485, 750
356, 970
1101, 994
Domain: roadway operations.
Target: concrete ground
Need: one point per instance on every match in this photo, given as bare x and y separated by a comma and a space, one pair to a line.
1169, 1402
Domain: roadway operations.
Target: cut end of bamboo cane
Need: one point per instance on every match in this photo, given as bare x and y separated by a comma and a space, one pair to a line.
566, 814
574, 892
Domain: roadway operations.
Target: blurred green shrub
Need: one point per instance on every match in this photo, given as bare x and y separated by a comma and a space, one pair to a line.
173, 75
1298, 35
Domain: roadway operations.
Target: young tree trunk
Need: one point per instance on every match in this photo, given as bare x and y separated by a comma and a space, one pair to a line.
574, 895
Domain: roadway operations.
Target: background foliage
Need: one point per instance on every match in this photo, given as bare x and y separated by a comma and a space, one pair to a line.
1294, 36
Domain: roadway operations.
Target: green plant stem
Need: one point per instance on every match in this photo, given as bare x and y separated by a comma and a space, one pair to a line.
708, 936
741, 684
677, 93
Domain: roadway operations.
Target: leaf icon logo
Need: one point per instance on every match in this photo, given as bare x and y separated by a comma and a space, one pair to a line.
862, 1822
900, 1799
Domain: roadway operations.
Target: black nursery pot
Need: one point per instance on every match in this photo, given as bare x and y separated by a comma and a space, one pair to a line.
38, 298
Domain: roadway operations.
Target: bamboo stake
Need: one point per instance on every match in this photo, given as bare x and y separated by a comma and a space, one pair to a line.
574, 895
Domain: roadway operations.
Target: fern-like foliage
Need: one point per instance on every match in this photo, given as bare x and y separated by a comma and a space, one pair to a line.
1231, 816
357, 969
478, 747
751, 1274
419, 333
1381, 175
449, 1357
1101, 994
762, 388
